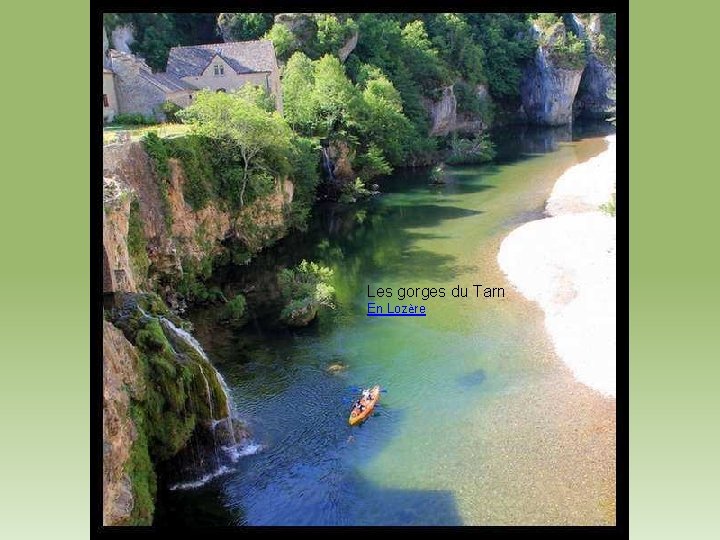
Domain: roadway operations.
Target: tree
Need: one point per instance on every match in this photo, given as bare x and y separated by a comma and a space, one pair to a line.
333, 94
283, 40
332, 34
298, 85
262, 138
244, 26
384, 123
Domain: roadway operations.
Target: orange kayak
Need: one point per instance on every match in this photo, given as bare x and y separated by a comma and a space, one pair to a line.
357, 416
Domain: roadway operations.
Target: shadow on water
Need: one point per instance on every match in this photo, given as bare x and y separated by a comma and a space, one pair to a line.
310, 470
314, 468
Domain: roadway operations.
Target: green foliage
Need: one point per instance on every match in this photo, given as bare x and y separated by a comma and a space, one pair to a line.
283, 40
609, 207
332, 33
137, 243
143, 480
382, 121
305, 288
244, 133
305, 162
566, 50
245, 26
478, 149
298, 83
155, 33
192, 285
170, 111
321, 101
158, 153
353, 191
234, 311
569, 52
371, 163
192, 151
133, 119
507, 46
606, 41
469, 104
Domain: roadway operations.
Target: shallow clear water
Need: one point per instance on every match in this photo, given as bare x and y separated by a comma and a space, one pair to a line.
480, 423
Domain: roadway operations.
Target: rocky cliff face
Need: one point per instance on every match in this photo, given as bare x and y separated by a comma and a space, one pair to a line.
175, 234
120, 380
446, 118
595, 97
548, 89
443, 113
153, 369
348, 47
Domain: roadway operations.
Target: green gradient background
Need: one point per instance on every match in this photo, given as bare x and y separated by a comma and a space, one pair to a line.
675, 265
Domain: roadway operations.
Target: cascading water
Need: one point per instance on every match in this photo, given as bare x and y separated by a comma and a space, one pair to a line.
195, 345
232, 450
327, 162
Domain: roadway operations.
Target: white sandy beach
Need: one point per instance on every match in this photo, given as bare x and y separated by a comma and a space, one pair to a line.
567, 263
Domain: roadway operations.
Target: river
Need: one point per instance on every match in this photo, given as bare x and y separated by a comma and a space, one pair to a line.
480, 423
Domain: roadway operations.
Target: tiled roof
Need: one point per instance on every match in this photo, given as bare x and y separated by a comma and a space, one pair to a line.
242, 56
165, 81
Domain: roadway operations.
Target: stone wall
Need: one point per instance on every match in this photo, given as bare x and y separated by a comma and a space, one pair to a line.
134, 93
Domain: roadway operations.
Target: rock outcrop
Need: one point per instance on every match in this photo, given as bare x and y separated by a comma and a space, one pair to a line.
341, 156
161, 394
117, 272
548, 88
175, 234
121, 380
595, 96
443, 113
122, 37
349, 47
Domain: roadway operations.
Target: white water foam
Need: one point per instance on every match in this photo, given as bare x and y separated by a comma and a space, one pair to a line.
234, 452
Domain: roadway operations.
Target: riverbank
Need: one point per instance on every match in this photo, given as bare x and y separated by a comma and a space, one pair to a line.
567, 264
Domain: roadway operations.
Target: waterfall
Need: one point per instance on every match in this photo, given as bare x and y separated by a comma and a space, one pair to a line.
327, 162
195, 345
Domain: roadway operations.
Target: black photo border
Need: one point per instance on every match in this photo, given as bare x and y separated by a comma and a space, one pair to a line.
97, 8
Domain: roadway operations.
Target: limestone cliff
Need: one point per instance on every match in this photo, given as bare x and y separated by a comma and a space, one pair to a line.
446, 115
549, 84
120, 380
443, 112
161, 393
595, 97
172, 236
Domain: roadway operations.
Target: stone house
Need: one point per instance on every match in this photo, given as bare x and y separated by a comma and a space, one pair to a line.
225, 67
110, 104
132, 87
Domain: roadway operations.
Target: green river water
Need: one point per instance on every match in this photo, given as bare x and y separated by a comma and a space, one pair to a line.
480, 422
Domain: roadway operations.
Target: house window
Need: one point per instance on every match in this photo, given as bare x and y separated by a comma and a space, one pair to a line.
219, 70
106, 101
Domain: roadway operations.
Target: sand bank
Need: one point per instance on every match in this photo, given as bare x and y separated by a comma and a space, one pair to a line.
567, 263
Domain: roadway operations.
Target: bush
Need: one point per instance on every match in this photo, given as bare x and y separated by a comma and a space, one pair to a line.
234, 311
134, 119
609, 207
569, 52
137, 243
170, 109
306, 289
159, 155
478, 149
353, 191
